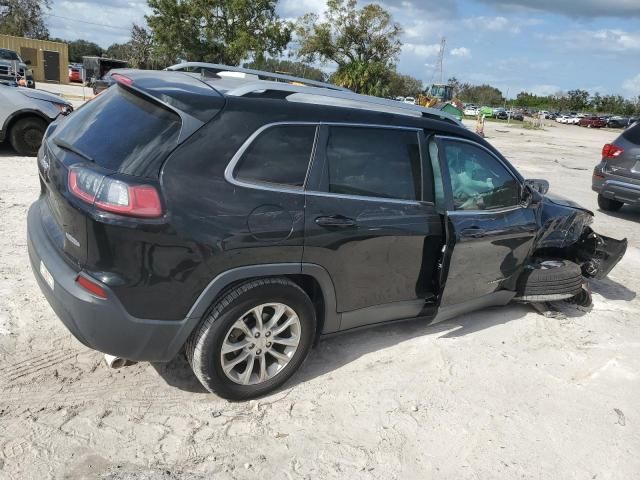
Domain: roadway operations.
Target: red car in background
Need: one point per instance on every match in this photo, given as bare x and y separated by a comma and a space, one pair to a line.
592, 122
75, 73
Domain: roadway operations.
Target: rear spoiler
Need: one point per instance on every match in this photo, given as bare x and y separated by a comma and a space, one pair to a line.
194, 101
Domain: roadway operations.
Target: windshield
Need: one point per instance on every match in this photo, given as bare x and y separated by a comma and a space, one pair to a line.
9, 55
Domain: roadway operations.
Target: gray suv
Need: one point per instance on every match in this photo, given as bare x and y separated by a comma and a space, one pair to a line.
25, 114
617, 177
8, 59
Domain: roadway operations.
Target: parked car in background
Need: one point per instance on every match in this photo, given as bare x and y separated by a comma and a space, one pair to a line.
410, 100
501, 114
515, 115
25, 114
592, 122
298, 234
618, 122
617, 177
471, 111
8, 62
75, 73
563, 119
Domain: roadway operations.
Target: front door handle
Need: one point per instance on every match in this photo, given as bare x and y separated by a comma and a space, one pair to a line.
339, 221
473, 232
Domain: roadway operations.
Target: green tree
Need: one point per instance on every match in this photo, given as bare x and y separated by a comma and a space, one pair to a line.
349, 35
83, 48
24, 18
140, 48
578, 99
404, 85
371, 78
288, 67
221, 31
481, 94
118, 51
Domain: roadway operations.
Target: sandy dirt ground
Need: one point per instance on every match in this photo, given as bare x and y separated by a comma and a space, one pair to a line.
502, 393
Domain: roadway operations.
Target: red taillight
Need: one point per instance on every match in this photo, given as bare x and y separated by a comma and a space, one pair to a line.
122, 79
111, 195
611, 151
92, 287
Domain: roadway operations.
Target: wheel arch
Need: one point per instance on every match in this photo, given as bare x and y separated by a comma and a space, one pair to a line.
312, 278
19, 115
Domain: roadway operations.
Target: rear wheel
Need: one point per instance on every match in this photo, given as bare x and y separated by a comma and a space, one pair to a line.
545, 280
26, 135
609, 204
254, 339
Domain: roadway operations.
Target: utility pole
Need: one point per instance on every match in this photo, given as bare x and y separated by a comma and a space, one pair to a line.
443, 43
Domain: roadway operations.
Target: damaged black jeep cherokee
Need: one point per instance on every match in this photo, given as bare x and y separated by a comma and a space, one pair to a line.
239, 219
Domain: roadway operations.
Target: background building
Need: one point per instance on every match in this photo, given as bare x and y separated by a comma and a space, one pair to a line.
49, 60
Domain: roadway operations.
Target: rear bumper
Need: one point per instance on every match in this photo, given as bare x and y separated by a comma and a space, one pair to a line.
102, 325
617, 190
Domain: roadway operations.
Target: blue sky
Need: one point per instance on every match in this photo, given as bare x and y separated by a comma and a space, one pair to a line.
540, 46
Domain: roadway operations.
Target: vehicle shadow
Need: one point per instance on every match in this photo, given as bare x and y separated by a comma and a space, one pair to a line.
177, 373
627, 212
6, 150
612, 290
338, 350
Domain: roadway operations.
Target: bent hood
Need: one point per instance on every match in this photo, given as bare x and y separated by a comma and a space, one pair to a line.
41, 95
562, 222
565, 202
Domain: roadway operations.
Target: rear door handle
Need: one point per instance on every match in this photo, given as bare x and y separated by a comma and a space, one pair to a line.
336, 221
473, 232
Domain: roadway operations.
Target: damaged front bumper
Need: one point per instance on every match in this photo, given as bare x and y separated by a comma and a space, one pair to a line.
566, 233
598, 254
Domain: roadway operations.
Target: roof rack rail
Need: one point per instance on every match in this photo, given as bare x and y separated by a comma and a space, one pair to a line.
347, 99
215, 67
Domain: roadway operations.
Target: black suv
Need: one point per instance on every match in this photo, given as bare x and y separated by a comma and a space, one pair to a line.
239, 220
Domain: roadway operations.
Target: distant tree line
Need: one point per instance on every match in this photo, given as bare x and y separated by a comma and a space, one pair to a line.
353, 47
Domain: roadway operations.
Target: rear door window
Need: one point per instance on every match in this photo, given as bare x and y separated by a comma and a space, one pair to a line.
374, 162
280, 155
122, 132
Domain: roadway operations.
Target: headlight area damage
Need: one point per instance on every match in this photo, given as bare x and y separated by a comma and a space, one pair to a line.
566, 234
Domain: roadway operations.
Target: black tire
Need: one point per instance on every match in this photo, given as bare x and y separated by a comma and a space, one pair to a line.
546, 280
609, 204
204, 347
26, 135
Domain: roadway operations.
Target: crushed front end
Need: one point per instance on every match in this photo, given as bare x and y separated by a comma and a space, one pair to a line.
566, 233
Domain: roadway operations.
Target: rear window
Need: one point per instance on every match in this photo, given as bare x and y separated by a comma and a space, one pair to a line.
633, 133
279, 156
122, 132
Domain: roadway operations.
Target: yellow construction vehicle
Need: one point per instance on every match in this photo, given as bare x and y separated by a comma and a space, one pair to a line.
440, 96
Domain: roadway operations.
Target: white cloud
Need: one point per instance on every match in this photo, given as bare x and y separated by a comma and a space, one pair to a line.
422, 50
543, 90
492, 24
575, 8
461, 52
632, 86
603, 40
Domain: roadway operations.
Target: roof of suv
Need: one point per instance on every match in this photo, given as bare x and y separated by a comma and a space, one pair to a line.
242, 82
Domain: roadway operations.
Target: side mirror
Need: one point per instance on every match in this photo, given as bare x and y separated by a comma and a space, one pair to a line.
537, 185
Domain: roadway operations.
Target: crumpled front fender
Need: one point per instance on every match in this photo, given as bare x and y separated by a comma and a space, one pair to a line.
599, 253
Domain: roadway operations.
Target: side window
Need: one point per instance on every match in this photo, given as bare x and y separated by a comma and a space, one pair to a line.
280, 156
478, 180
374, 162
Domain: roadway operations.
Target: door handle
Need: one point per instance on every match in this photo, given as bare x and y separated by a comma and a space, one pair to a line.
473, 232
335, 221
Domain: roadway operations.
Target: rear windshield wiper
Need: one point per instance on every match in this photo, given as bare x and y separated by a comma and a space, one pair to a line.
67, 146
